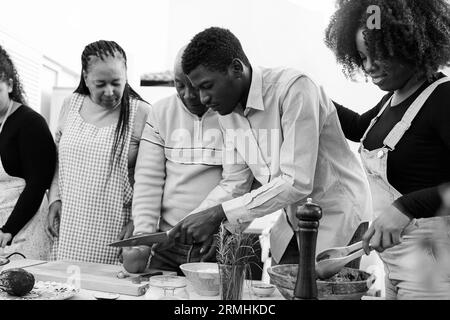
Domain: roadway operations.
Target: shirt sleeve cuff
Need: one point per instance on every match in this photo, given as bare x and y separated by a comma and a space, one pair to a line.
235, 211
141, 228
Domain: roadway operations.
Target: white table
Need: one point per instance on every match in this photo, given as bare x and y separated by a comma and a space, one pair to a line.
84, 294
247, 295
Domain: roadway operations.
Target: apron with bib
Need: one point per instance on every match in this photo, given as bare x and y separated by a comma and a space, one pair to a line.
417, 268
32, 240
96, 201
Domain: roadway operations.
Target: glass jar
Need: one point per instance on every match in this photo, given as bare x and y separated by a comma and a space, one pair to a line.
231, 281
167, 287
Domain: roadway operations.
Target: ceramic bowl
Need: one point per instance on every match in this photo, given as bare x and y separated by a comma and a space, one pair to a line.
262, 289
348, 284
204, 277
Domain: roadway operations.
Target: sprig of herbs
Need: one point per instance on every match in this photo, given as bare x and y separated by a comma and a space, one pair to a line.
234, 248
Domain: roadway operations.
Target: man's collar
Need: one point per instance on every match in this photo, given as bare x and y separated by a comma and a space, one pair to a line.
255, 99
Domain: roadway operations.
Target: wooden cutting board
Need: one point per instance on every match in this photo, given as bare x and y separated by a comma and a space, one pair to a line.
21, 263
92, 276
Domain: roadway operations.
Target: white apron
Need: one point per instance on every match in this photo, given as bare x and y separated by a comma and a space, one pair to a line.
95, 206
416, 268
32, 240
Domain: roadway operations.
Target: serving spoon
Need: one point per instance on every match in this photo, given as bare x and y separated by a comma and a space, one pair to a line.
332, 260
327, 268
338, 252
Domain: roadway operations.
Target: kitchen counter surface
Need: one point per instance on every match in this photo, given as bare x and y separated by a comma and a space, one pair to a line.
85, 294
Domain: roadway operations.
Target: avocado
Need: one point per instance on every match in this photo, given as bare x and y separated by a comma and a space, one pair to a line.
16, 281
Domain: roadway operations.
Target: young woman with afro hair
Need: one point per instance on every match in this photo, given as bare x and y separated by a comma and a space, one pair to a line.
405, 139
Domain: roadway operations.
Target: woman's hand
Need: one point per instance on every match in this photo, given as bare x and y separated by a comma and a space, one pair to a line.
54, 214
127, 231
4, 238
385, 231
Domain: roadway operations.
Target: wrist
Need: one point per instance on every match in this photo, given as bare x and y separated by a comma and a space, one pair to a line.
5, 231
397, 205
220, 214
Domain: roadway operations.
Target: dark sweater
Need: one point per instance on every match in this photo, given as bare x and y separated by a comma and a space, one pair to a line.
27, 150
421, 159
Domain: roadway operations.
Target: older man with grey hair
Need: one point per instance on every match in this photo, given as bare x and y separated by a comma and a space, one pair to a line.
178, 164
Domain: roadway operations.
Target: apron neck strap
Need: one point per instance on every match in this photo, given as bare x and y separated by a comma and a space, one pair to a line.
374, 120
403, 125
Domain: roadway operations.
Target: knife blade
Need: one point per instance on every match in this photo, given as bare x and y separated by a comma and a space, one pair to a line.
149, 238
142, 239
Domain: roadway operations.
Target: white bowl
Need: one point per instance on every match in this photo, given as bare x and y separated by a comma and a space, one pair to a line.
262, 289
204, 277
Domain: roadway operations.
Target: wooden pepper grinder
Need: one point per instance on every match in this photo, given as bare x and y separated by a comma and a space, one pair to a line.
309, 215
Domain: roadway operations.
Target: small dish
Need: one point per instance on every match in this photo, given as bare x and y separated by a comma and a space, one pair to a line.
106, 296
261, 289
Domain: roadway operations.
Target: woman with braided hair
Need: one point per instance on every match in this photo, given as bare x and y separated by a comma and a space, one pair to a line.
97, 138
405, 139
27, 163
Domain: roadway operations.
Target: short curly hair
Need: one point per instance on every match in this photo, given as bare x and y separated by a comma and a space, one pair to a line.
8, 71
214, 48
416, 32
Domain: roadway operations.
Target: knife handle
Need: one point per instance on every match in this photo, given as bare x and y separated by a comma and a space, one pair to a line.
146, 276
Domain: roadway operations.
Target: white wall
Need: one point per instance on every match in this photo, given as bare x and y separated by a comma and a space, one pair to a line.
57, 98
153, 94
28, 62
273, 32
